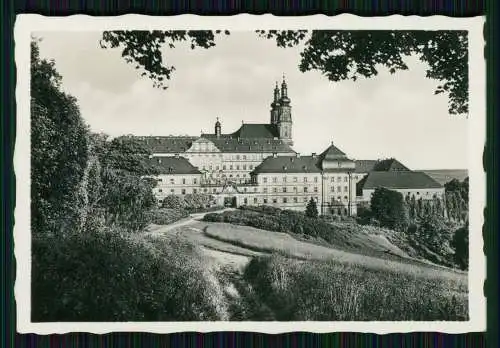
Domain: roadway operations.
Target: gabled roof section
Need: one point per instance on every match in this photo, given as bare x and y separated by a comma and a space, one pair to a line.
289, 164
390, 164
332, 153
174, 165
166, 144
365, 166
398, 180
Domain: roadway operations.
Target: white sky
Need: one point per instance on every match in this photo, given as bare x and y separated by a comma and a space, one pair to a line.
385, 116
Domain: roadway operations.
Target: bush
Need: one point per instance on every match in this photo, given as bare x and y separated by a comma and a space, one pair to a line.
330, 291
460, 244
165, 216
108, 276
312, 209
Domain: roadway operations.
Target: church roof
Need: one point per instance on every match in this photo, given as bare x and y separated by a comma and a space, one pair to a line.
251, 130
289, 164
332, 153
398, 180
174, 165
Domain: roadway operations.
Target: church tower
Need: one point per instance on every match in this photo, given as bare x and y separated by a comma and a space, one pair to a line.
284, 122
218, 128
275, 105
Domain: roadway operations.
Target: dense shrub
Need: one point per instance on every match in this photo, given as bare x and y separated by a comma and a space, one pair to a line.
165, 216
312, 209
108, 276
330, 291
460, 244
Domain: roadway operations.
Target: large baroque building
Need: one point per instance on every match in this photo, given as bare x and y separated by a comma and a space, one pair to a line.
256, 165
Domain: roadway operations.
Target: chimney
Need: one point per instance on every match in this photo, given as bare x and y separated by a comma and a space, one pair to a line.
314, 155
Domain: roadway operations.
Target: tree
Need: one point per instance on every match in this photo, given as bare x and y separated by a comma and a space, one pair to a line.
338, 54
58, 149
460, 244
312, 209
389, 208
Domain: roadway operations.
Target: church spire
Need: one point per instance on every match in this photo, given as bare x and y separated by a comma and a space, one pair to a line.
276, 93
284, 92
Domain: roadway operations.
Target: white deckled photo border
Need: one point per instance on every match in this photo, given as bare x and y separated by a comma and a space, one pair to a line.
28, 23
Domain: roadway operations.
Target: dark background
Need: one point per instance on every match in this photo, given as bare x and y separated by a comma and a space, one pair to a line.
457, 8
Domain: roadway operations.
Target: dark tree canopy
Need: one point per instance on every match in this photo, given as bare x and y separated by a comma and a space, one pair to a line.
338, 54
312, 209
389, 208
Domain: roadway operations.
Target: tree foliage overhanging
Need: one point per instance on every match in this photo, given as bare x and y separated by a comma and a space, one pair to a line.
337, 54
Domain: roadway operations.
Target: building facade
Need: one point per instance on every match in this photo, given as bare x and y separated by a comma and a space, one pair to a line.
256, 165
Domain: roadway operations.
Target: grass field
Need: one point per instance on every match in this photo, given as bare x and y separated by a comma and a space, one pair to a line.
276, 242
335, 291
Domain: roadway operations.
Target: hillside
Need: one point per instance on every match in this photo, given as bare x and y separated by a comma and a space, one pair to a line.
444, 175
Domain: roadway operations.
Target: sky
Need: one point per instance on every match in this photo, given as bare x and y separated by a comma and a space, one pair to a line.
385, 116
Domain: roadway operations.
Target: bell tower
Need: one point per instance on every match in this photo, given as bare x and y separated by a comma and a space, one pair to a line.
275, 105
284, 122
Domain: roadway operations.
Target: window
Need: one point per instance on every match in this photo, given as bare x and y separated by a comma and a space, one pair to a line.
160, 180
275, 189
294, 179
305, 189
333, 179
255, 189
355, 177
172, 181
160, 190
345, 178
204, 168
346, 188
305, 179
264, 180
245, 189
339, 189
275, 200
333, 189
238, 167
255, 200
315, 179
210, 167
244, 157
224, 167
265, 189
418, 193
284, 189
230, 175
284, 179
275, 179
183, 181
237, 157
195, 191
346, 198
295, 200
194, 181
305, 199
264, 201
205, 190
285, 200
295, 189
183, 191
339, 179
214, 190
245, 201
250, 167
316, 189
231, 167
172, 190
244, 167
217, 168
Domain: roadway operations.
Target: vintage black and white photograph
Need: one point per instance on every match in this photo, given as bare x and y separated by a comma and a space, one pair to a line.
276, 174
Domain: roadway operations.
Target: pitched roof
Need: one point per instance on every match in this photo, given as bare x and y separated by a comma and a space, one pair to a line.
167, 144
174, 165
332, 153
365, 166
289, 164
398, 180
390, 164
256, 130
